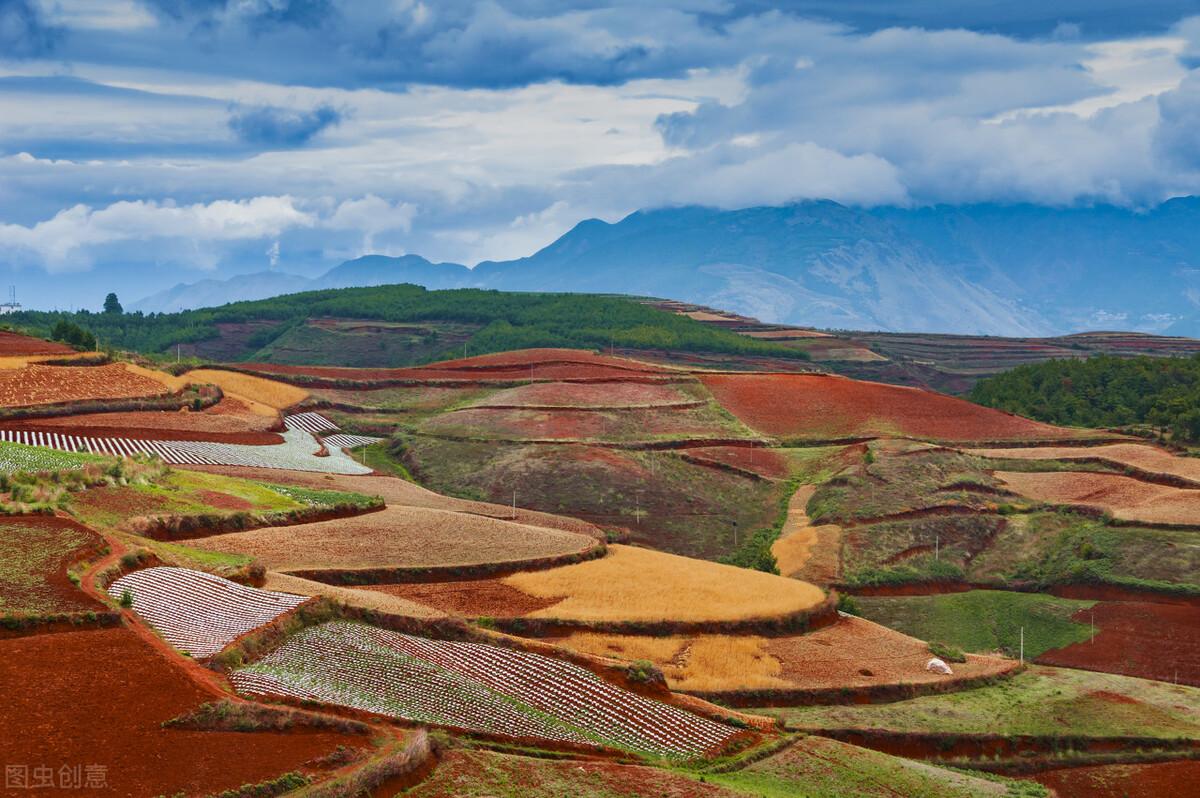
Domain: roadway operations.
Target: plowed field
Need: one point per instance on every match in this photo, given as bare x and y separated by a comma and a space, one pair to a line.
413, 537
12, 343
1154, 641
1124, 497
817, 406
99, 697
36, 385
1126, 781
764, 462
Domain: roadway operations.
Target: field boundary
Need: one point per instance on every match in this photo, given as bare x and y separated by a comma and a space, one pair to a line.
799, 622
206, 395
171, 528
447, 573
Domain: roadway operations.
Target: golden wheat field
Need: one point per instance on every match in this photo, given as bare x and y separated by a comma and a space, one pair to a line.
633, 584
265, 396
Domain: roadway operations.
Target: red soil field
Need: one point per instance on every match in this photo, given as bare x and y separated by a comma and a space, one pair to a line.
820, 406
1125, 781
49, 587
99, 697
36, 385
1153, 641
475, 598
228, 421
15, 344
765, 462
586, 395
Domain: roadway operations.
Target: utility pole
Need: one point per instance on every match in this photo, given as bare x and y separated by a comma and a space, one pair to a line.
1022, 645
637, 512
514, 506
937, 546
1093, 640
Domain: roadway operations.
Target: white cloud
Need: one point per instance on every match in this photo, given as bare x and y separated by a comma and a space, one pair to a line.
62, 242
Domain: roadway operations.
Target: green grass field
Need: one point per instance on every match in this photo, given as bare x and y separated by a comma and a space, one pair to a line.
983, 620
1049, 702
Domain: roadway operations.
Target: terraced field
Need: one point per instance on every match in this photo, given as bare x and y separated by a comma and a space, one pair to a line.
35, 552
37, 384
477, 688
199, 613
399, 538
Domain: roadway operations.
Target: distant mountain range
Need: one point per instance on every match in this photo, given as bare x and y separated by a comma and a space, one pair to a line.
983, 269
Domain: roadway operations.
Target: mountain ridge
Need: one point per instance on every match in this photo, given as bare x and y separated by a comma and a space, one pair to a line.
990, 269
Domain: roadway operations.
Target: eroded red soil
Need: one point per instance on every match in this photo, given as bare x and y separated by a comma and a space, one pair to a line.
1125, 781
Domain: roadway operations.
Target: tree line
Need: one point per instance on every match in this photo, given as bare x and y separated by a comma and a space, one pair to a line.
1103, 391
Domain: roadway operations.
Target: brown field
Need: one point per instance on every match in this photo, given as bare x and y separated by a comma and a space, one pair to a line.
632, 584
408, 537
821, 406
584, 395
15, 344
803, 551
1139, 455
368, 599
851, 653
1135, 638
1125, 781
262, 395
472, 598
1123, 497
99, 697
407, 494
37, 385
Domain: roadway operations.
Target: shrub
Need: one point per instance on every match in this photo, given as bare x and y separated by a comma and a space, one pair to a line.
946, 652
126, 599
848, 605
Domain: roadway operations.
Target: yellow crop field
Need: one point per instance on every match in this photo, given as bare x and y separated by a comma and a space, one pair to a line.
635, 584
264, 396
704, 663
171, 382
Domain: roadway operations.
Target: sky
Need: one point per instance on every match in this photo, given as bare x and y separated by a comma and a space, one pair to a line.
145, 143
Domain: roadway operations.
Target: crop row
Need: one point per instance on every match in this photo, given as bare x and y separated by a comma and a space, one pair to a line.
478, 687
197, 612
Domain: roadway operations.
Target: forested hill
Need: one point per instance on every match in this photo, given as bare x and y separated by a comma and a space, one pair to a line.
493, 321
1161, 393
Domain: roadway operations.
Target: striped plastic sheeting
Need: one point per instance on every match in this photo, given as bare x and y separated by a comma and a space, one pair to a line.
309, 422
296, 453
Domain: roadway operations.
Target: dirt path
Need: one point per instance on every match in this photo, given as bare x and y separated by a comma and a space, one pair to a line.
804, 551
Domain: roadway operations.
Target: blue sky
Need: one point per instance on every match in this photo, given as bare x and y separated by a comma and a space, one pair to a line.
149, 142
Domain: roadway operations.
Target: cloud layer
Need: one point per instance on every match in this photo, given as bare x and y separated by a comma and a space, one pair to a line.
233, 136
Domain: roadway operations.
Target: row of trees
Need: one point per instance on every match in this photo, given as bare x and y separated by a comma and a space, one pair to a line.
1103, 391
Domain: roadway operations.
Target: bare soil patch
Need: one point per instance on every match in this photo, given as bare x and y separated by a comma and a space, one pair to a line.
803, 551
477, 598
820, 406
12, 343
99, 697
1125, 781
1124, 497
1153, 641
36, 384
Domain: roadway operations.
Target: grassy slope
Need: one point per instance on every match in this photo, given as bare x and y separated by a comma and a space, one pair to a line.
982, 620
1042, 701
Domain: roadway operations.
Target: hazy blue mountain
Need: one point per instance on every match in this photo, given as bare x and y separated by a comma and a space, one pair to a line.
208, 293
382, 270
992, 269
